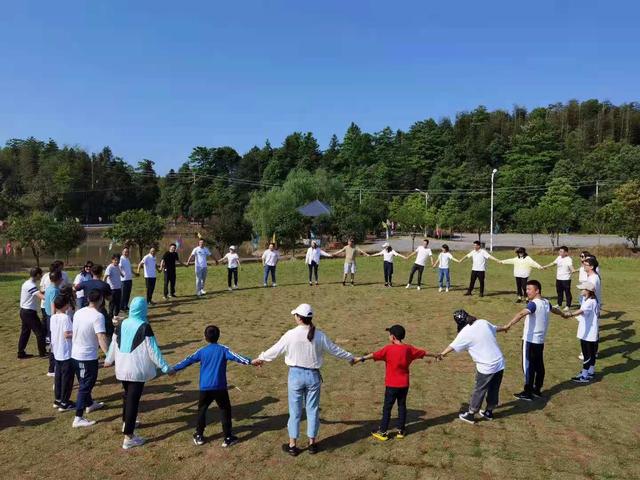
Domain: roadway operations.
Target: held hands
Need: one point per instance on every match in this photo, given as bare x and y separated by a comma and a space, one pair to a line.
171, 372
256, 362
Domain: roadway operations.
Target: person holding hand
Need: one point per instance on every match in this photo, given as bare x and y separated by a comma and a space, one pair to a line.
312, 259
388, 253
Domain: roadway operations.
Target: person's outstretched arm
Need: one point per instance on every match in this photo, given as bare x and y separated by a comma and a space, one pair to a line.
325, 254
275, 351
190, 360
333, 349
509, 261
236, 357
363, 252
153, 350
377, 254
516, 318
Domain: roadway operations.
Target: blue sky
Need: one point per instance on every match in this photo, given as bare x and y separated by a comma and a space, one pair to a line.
154, 79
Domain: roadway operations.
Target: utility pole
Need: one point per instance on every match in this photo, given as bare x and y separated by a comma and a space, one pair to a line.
360, 196
597, 203
493, 173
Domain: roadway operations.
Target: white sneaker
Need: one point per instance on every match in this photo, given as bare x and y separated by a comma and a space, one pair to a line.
51, 374
408, 285
79, 422
581, 357
419, 288
203, 292
447, 290
134, 441
230, 289
440, 289
94, 406
566, 309
274, 285
199, 293
235, 287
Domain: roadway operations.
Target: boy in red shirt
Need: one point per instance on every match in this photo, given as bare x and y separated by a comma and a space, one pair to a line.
397, 356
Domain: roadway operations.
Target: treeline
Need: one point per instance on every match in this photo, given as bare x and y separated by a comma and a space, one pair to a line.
563, 160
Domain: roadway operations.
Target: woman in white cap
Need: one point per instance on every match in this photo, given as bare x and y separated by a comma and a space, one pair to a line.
388, 253
588, 317
313, 259
233, 262
303, 348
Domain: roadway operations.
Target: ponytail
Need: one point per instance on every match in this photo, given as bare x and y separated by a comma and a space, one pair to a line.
312, 328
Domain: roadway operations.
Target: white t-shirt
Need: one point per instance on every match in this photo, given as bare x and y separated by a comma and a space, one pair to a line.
200, 254
113, 277
270, 257
125, 265
28, 295
479, 339
597, 282
565, 265
479, 259
87, 322
81, 277
443, 259
422, 253
60, 346
232, 260
388, 256
588, 320
582, 274
537, 322
149, 263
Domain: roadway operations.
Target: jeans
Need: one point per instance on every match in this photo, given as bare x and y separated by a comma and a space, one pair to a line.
391, 395
232, 274
489, 385
304, 393
30, 323
150, 283
533, 366
201, 277
126, 294
63, 382
115, 303
169, 283
87, 373
313, 269
476, 274
521, 286
224, 404
443, 274
563, 289
132, 391
414, 269
388, 272
272, 269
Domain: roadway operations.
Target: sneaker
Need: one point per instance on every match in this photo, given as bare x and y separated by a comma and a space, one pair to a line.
198, 439
51, 374
386, 284
536, 394
150, 304
235, 287
581, 357
581, 379
317, 283
344, 284
419, 288
311, 284
467, 294
57, 404
408, 285
467, 417
264, 285
446, 290
486, 414
440, 290
382, 436
519, 300
199, 293
134, 441
231, 440
79, 422
557, 306
65, 407
165, 299
94, 406
203, 292
22, 356
566, 309
293, 451
527, 397
401, 434
313, 448
230, 289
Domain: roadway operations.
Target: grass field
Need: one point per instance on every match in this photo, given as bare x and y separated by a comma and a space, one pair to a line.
578, 432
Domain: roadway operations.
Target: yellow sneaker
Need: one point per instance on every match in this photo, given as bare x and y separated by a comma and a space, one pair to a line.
382, 436
401, 434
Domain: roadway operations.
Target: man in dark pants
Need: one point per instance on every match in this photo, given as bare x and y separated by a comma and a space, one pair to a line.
168, 266
564, 271
127, 279
479, 257
536, 315
30, 295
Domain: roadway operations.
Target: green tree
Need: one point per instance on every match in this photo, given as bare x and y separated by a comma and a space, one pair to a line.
35, 231
527, 221
557, 210
623, 212
139, 228
477, 217
65, 236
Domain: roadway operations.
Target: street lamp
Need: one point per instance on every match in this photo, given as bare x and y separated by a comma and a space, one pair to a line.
426, 204
493, 173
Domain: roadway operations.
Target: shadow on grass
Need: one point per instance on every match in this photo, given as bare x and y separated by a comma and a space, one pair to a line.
11, 418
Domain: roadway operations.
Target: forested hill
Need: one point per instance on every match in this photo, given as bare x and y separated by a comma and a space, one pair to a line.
575, 145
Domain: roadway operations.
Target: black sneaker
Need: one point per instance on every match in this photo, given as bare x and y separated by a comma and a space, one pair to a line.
293, 451
198, 439
527, 397
23, 355
65, 407
344, 284
536, 394
467, 294
313, 448
486, 414
57, 404
467, 417
230, 440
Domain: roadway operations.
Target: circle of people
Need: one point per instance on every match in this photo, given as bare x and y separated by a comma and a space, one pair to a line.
77, 324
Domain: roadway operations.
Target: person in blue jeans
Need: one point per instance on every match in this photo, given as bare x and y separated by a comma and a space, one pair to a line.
443, 268
303, 348
270, 259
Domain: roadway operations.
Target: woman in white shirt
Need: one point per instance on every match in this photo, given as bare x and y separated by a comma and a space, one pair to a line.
522, 266
233, 263
83, 276
588, 317
312, 260
303, 347
388, 253
442, 262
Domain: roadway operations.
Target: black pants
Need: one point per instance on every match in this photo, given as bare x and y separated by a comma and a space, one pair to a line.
313, 270
224, 404
232, 274
533, 366
132, 391
46, 333
63, 382
521, 286
414, 269
115, 303
391, 395
589, 350
487, 384
30, 323
150, 283
126, 294
169, 283
475, 274
563, 289
87, 373
388, 272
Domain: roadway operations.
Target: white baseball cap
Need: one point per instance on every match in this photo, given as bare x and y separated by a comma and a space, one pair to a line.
587, 286
385, 245
232, 247
304, 310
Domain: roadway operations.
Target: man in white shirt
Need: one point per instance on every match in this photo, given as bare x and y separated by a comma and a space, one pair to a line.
200, 254
150, 273
29, 296
563, 276
479, 258
312, 259
478, 337
536, 323
270, 259
233, 263
127, 278
422, 253
89, 333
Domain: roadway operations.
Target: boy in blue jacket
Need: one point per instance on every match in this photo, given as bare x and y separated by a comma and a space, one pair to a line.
213, 383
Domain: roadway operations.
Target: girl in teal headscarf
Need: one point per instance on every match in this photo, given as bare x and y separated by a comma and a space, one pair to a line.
136, 355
